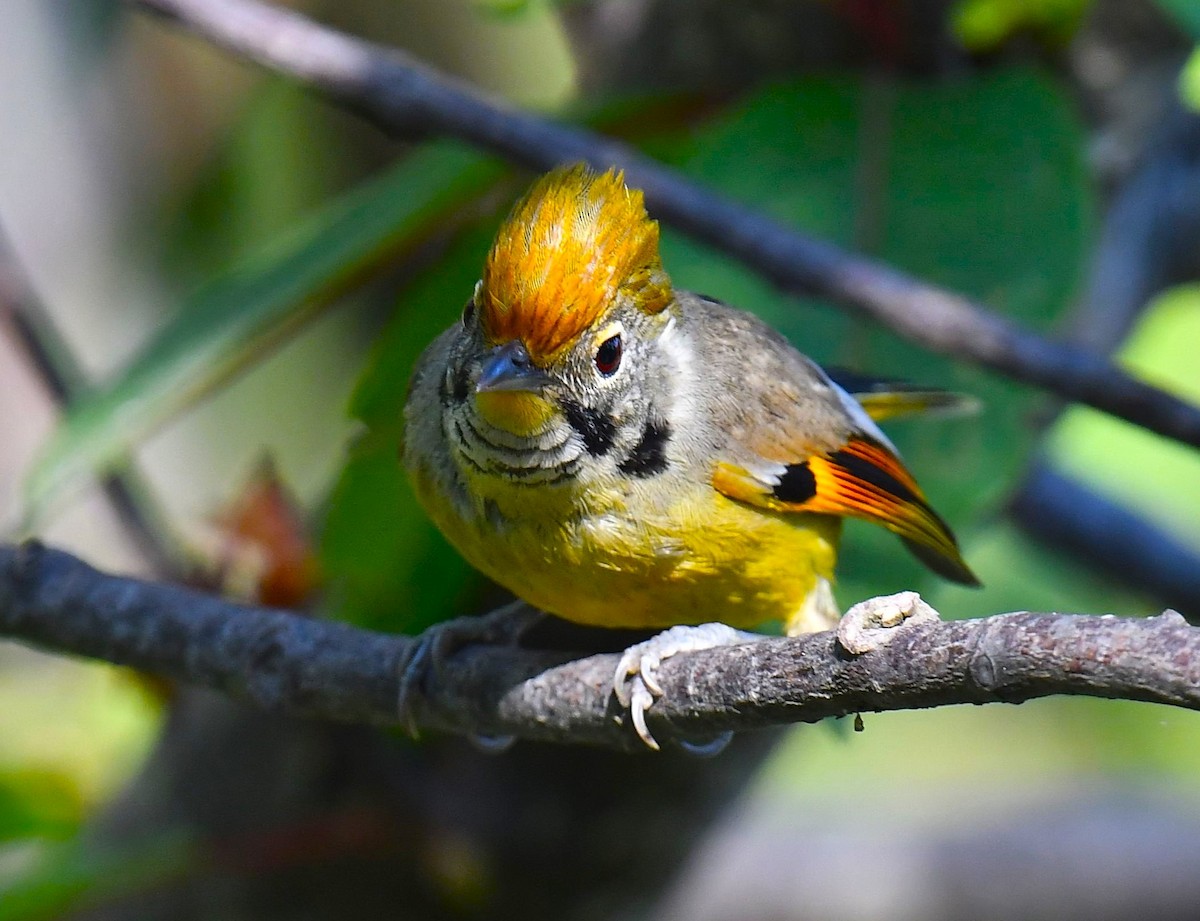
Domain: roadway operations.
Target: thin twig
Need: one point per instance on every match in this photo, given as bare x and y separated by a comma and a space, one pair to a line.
401, 95
51, 359
286, 662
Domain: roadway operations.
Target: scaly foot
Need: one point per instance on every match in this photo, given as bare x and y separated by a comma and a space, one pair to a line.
501, 627
635, 681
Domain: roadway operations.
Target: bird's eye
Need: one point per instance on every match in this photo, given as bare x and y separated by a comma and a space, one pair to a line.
608, 356
468, 312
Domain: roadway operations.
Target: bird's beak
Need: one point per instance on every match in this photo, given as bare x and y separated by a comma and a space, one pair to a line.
509, 367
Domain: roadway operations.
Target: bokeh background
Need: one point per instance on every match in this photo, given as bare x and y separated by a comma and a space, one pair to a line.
212, 290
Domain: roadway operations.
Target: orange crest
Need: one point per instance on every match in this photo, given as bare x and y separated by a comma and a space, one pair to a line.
575, 241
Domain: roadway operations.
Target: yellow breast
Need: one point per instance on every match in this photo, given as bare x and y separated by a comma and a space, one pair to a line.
615, 559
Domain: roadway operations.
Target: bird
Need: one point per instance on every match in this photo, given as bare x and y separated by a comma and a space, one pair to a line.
623, 453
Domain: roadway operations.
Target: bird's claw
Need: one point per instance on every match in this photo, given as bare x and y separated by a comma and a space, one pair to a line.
635, 680
504, 626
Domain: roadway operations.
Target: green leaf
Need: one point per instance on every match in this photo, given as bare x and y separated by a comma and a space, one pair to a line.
231, 322
386, 564
976, 184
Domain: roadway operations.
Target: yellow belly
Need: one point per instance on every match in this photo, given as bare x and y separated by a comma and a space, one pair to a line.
706, 558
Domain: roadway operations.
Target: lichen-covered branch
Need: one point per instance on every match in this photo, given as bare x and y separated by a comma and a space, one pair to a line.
401, 95
287, 662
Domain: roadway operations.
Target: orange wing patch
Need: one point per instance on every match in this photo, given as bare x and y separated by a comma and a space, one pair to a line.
739, 483
571, 244
863, 479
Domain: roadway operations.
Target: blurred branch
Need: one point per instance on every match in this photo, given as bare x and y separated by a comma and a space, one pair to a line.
401, 95
1147, 244
1148, 241
282, 661
1095, 848
51, 359
1118, 542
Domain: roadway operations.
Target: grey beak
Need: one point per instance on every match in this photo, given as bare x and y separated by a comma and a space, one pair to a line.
509, 367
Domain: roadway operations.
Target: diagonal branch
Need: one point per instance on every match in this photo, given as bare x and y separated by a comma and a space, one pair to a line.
36, 334
283, 661
401, 95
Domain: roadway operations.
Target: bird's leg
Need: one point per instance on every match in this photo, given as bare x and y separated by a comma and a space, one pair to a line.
873, 623
818, 612
502, 627
635, 681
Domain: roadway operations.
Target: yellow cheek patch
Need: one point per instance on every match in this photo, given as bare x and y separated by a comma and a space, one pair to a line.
515, 411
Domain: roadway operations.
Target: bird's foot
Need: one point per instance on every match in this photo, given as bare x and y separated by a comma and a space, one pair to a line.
873, 623
502, 627
635, 681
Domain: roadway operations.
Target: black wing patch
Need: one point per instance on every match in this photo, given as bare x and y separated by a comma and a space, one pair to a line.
797, 484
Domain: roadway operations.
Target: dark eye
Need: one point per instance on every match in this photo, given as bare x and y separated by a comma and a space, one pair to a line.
608, 356
468, 312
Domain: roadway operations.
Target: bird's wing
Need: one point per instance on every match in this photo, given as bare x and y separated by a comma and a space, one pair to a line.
792, 440
859, 475
862, 479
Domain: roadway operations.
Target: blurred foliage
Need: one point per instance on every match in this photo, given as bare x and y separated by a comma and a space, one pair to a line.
1186, 14
981, 25
234, 320
1189, 81
993, 753
68, 733
387, 565
70, 736
273, 168
516, 7
53, 880
518, 50
37, 802
1152, 476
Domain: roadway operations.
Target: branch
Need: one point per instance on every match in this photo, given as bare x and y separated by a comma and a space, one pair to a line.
1070, 515
50, 358
285, 662
1146, 245
401, 95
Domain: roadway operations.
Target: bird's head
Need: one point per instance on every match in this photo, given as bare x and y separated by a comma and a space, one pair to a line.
572, 298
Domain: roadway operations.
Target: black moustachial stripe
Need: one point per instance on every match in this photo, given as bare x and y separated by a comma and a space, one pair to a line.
797, 484
597, 430
649, 455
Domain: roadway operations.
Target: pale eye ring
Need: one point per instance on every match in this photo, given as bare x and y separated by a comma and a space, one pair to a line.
608, 355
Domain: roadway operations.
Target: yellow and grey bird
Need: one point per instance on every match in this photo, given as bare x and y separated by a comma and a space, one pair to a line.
622, 453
